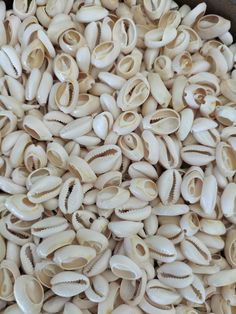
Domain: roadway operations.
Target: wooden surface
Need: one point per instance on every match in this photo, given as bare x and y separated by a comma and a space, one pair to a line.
226, 8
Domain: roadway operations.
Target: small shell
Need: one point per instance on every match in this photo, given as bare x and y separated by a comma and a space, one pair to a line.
29, 258
191, 186
129, 65
71, 41
98, 290
161, 249
57, 155
65, 67
45, 270
136, 249
131, 146
112, 197
79, 168
195, 292
102, 124
36, 128
87, 14
9, 62
162, 121
170, 210
226, 159
222, 278
151, 147
160, 293
55, 121
29, 294
98, 265
69, 283
160, 37
49, 226
103, 159
189, 223
110, 178
8, 186
144, 189
213, 227
66, 95
20, 206
71, 196
169, 184
195, 251
172, 232
125, 228
127, 122
9, 272
229, 248
228, 89
176, 274
34, 157
72, 257
33, 55
161, 95
197, 155
54, 242
92, 238
209, 194
105, 53
123, 267
44, 189
124, 31
133, 93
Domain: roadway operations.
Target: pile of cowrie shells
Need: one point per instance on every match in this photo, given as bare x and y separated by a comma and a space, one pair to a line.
118, 158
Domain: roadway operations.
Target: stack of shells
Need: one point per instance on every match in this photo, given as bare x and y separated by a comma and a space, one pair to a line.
118, 158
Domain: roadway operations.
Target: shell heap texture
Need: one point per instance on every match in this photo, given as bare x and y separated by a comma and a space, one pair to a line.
117, 158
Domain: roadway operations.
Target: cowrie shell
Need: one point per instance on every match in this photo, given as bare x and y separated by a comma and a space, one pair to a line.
124, 267
175, 274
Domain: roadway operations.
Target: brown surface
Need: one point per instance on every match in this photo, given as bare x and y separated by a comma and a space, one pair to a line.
226, 8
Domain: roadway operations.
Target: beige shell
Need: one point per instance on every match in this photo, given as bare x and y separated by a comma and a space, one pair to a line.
92, 238
133, 93
195, 251
191, 186
226, 159
112, 197
144, 189
169, 184
10, 62
190, 223
66, 95
125, 228
162, 121
197, 155
103, 159
161, 249
105, 53
124, 267
129, 65
195, 292
70, 196
131, 146
175, 274
36, 128
20, 206
79, 168
161, 95
127, 122
230, 247
29, 293
65, 67
124, 31
9, 272
44, 189
92, 13
159, 37
69, 283
98, 290
29, 258
45, 270
73, 257
222, 278
54, 242
172, 232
